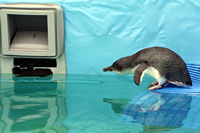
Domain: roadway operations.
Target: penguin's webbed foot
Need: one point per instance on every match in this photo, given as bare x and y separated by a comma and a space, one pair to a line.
155, 85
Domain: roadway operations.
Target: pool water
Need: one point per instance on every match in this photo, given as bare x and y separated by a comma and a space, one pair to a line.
95, 104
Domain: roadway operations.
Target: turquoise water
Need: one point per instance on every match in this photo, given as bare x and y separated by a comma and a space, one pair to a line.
95, 104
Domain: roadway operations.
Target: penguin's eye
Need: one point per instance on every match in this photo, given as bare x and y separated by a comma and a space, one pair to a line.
114, 65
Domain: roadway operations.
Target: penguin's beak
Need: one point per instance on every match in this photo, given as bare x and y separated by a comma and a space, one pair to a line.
107, 69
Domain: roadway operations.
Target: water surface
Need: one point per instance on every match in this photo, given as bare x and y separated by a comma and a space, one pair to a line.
95, 103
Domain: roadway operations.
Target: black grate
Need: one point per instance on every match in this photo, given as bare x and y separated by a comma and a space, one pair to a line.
24, 62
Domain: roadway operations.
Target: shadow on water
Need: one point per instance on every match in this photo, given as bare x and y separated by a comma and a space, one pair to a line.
32, 106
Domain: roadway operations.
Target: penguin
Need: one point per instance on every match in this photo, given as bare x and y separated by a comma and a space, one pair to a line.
162, 64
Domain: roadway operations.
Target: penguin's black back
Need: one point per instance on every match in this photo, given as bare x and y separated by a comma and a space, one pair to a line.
168, 63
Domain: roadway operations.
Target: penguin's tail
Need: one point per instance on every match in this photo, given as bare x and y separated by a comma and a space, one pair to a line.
189, 83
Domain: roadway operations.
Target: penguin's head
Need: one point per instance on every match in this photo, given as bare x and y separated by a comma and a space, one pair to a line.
114, 67
120, 66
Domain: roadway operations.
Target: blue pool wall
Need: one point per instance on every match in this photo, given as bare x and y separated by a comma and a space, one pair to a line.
101, 31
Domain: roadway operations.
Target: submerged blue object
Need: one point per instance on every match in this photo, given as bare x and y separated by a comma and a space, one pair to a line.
163, 110
167, 107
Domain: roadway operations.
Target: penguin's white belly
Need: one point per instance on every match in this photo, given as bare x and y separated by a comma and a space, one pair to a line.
151, 71
161, 80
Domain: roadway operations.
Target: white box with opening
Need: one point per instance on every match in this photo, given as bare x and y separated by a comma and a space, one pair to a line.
31, 33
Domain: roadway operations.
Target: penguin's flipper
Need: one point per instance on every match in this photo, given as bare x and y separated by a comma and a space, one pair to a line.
139, 73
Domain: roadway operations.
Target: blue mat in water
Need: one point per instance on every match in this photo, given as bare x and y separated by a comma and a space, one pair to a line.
172, 106
163, 110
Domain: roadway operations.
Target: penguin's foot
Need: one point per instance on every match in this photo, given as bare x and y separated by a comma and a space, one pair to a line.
154, 87
153, 84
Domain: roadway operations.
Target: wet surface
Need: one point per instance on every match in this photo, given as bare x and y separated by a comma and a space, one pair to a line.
96, 103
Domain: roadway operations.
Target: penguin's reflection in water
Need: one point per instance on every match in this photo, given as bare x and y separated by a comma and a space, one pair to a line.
156, 111
117, 104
